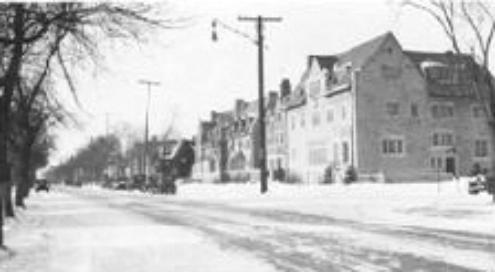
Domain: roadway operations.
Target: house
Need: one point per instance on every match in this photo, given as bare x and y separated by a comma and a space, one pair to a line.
227, 146
276, 131
180, 155
392, 114
211, 147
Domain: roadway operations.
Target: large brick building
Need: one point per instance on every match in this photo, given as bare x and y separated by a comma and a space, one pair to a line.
392, 114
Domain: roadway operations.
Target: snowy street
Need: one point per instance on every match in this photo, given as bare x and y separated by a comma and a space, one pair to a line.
92, 229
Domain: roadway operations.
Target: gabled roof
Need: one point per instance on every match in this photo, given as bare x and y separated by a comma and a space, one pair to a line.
360, 54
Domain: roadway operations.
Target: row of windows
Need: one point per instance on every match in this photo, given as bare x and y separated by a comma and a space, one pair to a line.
319, 155
316, 118
438, 111
390, 147
395, 146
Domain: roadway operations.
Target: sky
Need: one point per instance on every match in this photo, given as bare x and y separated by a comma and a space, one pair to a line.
198, 75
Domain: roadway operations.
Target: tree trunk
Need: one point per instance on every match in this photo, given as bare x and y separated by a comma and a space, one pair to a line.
9, 206
11, 79
25, 175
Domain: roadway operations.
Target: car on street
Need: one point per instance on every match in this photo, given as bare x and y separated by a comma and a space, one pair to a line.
42, 185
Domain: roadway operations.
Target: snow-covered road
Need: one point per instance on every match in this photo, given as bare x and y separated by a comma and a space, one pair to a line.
98, 230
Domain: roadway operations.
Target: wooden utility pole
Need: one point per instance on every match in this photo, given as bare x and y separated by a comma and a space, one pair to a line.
149, 83
259, 20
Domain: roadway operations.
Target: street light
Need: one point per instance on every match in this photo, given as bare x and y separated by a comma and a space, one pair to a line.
149, 83
259, 20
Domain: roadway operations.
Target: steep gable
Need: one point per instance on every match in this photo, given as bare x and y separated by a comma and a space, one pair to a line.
359, 55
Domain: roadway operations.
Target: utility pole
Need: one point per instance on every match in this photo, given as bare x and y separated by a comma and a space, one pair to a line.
259, 20
149, 83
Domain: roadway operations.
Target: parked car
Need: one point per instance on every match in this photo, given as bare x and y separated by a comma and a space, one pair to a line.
120, 185
477, 185
42, 185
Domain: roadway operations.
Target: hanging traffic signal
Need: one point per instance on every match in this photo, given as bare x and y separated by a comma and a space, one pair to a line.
214, 35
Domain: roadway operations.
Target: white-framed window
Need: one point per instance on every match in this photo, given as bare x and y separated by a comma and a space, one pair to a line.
344, 113
293, 122
444, 138
481, 148
303, 120
393, 145
442, 111
477, 111
392, 108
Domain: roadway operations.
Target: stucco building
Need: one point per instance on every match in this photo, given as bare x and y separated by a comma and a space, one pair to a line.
393, 114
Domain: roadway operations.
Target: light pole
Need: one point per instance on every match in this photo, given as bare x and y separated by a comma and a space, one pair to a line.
149, 83
259, 20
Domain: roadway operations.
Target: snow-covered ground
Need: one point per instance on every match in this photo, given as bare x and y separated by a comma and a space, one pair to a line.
232, 227
60, 233
445, 205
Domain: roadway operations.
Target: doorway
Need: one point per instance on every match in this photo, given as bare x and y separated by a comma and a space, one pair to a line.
450, 165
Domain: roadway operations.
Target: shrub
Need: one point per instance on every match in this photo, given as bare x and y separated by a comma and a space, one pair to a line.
328, 175
476, 169
279, 174
350, 175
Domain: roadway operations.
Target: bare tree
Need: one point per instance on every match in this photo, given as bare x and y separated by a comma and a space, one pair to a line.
469, 26
65, 32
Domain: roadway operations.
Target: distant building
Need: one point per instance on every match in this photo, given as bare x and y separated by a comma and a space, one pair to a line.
228, 145
392, 114
276, 132
211, 147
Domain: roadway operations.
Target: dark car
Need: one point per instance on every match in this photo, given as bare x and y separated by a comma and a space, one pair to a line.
42, 185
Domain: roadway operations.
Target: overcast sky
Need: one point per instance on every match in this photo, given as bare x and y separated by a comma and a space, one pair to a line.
198, 75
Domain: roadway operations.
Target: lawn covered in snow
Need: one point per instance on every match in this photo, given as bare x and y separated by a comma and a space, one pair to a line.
445, 205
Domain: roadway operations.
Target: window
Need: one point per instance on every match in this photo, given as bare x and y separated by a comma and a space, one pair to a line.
329, 115
414, 110
344, 113
442, 111
316, 118
293, 122
303, 121
345, 152
477, 111
392, 108
392, 146
481, 148
442, 139
436, 163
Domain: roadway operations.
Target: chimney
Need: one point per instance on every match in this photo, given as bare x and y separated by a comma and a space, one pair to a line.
285, 88
310, 58
213, 116
272, 97
239, 107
